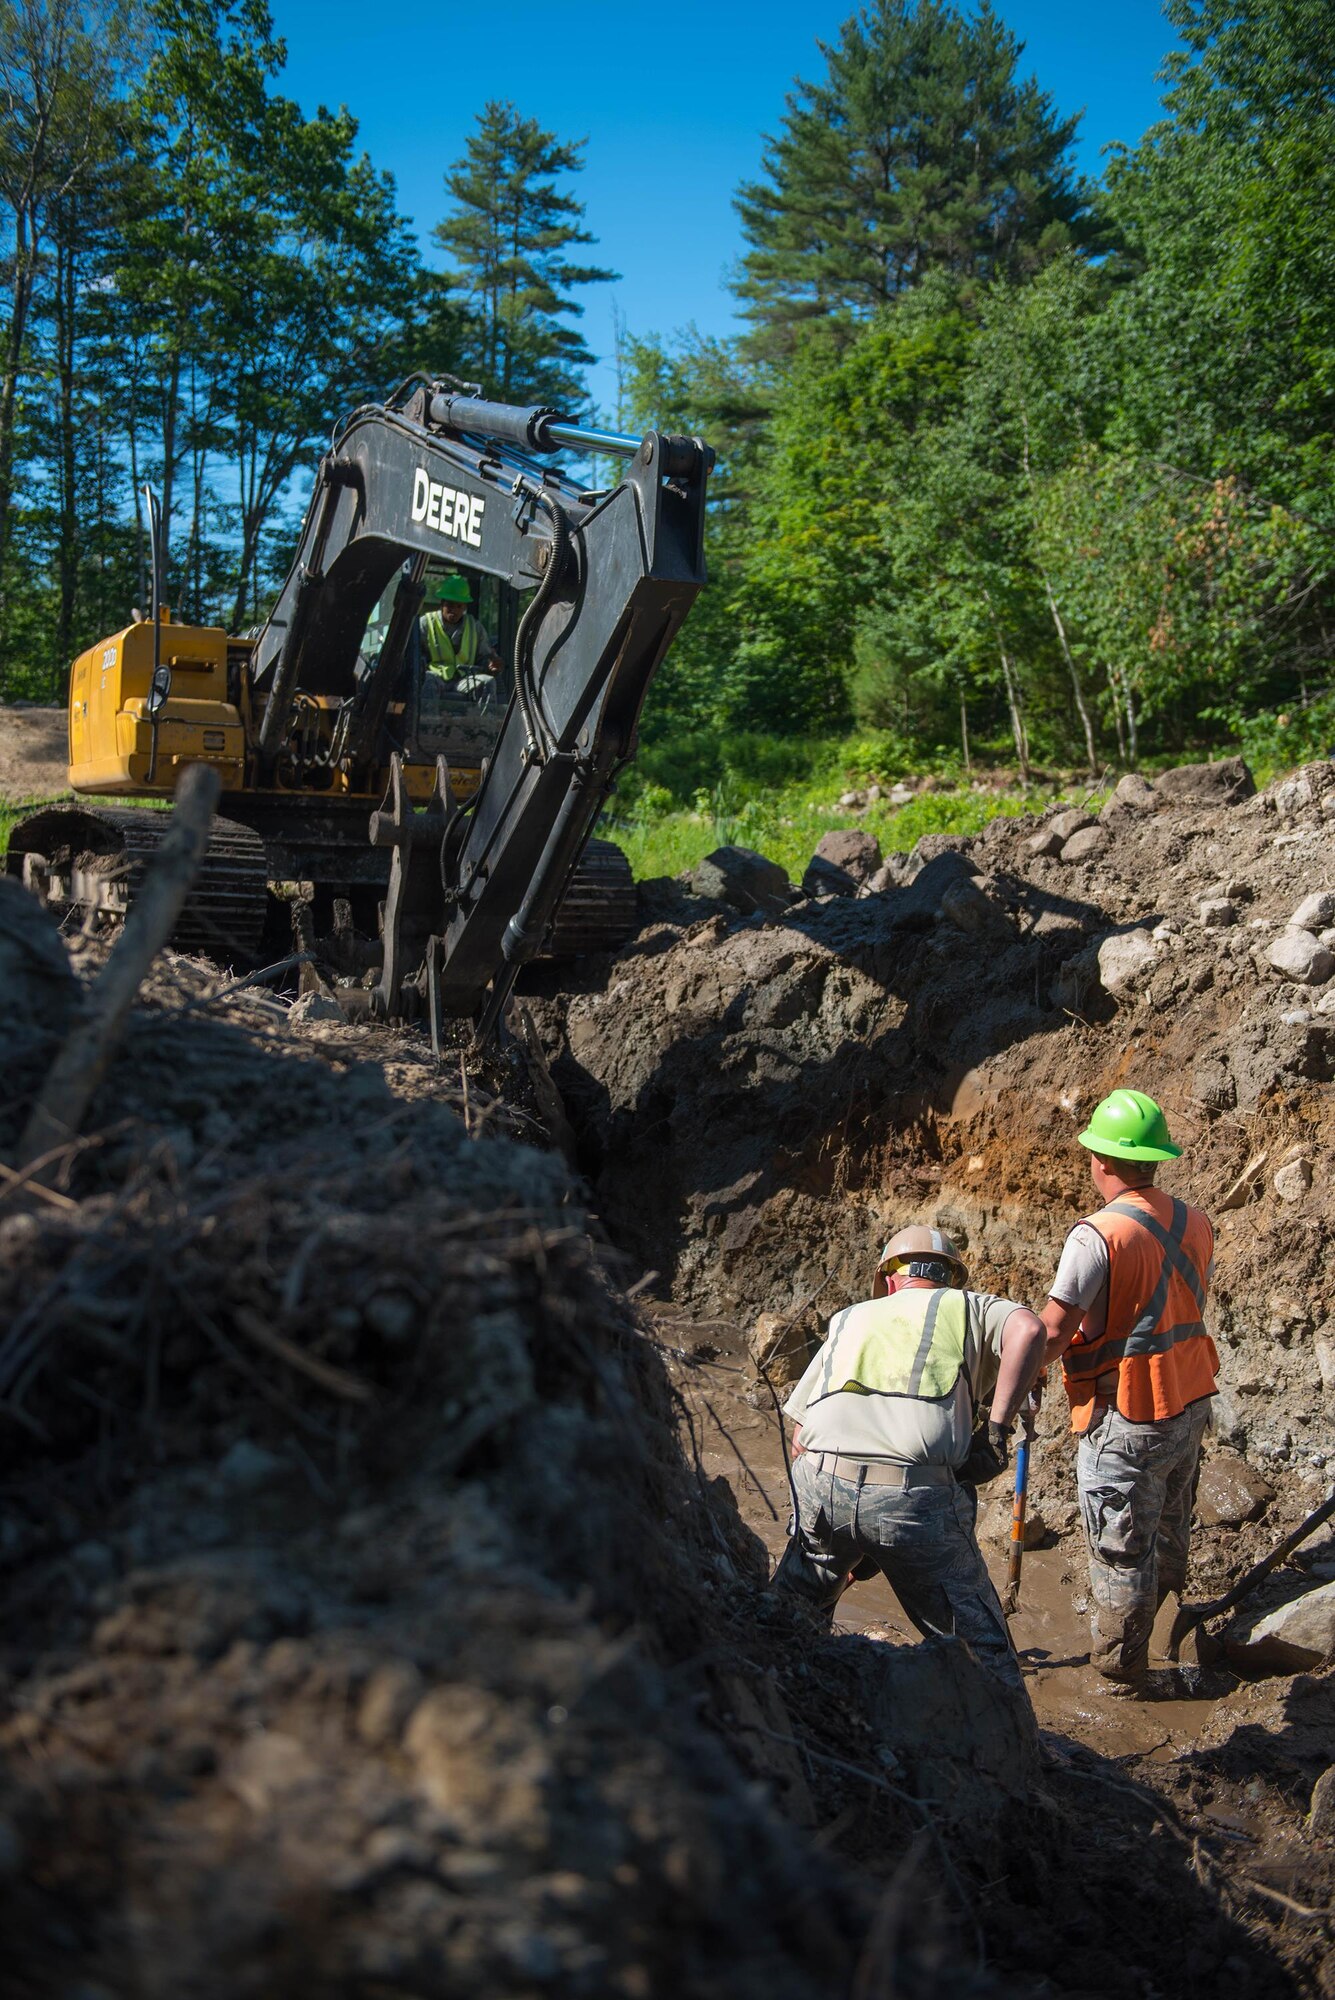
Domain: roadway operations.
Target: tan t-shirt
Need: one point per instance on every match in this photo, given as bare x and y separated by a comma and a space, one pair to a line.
908, 1430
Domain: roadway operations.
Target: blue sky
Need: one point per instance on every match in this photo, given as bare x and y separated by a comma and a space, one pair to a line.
674, 100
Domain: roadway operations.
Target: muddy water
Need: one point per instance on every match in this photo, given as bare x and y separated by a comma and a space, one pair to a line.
744, 1446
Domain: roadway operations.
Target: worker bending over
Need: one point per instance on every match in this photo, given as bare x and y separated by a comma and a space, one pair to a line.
455, 644
1126, 1315
885, 1418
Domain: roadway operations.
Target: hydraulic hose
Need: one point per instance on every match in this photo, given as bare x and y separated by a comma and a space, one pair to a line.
530, 695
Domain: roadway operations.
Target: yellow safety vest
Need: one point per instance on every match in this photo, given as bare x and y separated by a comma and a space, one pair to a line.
443, 656
911, 1344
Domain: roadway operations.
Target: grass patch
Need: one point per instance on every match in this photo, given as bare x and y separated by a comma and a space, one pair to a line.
786, 825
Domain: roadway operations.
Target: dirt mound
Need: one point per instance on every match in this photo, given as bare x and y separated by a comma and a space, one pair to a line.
352, 1570
34, 754
760, 1100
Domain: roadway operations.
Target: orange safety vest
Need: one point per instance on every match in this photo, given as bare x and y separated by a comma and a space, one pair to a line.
1154, 1355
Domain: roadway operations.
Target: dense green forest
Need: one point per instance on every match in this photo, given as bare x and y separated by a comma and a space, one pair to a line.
1010, 464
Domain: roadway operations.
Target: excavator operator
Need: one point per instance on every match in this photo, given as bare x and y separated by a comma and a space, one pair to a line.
456, 648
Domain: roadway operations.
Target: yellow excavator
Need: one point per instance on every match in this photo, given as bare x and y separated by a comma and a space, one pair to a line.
452, 819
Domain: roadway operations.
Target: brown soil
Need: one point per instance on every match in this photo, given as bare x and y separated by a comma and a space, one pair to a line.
34, 754
385, 1594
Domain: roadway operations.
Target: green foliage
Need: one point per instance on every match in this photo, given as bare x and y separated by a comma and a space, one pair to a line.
507, 235
920, 149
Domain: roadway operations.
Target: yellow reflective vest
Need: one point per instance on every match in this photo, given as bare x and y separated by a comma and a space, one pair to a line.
444, 656
911, 1344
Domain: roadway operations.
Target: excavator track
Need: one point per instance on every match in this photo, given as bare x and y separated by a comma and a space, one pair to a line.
599, 910
92, 859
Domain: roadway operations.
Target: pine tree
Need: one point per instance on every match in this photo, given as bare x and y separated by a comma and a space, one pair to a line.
510, 228
921, 149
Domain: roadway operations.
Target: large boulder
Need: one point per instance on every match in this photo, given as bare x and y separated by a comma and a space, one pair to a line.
1231, 1491
1315, 912
1126, 961
849, 848
1296, 1636
1225, 783
825, 878
967, 905
742, 879
1297, 955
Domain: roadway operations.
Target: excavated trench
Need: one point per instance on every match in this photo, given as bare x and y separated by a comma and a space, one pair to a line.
386, 1606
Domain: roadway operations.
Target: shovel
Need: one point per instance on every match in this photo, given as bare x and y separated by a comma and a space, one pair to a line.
1190, 1616
1010, 1603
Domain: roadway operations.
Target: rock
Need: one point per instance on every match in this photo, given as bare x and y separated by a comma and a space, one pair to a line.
313, 1007
1236, 1194
970, 910
249, 1468
874, 793
780, 1345
849, 848
389, 1698
1047, 841
1299, 1635
823, 879
901, 795
1321, 1811
931, 847
1324, 1349
1315, 912
1085, 844
1217, 913
1126, 960
1292, 1182
1132, 793
1326, 1004
744, 880
36, 977
1072, 820
1225, 783
852, 801
919, 906
1212, 1085
1298, 956
1230, 1491
1236, 890
269, 1766
876, 885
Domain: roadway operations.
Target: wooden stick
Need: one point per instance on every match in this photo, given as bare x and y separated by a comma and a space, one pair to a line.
82, 1059
335, 1381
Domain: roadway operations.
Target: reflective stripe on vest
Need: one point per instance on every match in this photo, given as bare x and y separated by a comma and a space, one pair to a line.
911, 1344
443, 656
1154, 1340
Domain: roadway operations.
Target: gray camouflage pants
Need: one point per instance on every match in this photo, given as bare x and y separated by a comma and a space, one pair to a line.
922, 1540
1137, 1484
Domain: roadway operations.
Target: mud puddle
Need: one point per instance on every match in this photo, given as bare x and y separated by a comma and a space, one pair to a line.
738, 1438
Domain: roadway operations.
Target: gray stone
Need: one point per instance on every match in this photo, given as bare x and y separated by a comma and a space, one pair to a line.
852, 801
849, 848
1231, 1491
248, 1467
1132, 793
744, 880
1126, 961
1224, 783
1086, 844
1315, 911
313, 1008
823, 879
1046, 842
1324, 1349
970, 910
1321, 1811
1292, 1181
268, 1767
1297, 955
919, 905
931, 846
1217, 913
780, 1346
1299, 1635
1073, 820
1236, 890
389, 1698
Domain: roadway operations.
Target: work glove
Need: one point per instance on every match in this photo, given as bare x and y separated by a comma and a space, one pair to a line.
986, 1460
999, 1440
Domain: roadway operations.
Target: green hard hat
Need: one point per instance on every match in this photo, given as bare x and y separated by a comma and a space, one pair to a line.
448, 590
1129, 1126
